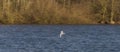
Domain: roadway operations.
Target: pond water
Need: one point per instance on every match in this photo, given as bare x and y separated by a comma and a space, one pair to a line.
45, 38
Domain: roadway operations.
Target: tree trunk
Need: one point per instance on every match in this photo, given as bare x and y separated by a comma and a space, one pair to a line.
112, 13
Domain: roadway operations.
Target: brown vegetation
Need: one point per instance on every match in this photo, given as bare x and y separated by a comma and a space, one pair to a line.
59, 11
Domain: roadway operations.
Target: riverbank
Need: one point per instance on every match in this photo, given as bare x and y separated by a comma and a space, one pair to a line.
59, 12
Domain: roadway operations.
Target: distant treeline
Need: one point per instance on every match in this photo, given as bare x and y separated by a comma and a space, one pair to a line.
59, 11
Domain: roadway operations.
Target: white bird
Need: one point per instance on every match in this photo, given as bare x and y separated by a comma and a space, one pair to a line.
61, 34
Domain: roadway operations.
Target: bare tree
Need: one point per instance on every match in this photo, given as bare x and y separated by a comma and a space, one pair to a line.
104, 10
112, 12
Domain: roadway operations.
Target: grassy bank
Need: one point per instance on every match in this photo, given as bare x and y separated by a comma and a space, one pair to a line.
59, 11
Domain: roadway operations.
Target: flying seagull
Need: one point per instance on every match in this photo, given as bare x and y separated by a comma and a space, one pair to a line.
61, 34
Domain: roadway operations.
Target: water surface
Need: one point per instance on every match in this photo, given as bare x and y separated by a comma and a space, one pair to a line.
45, 38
